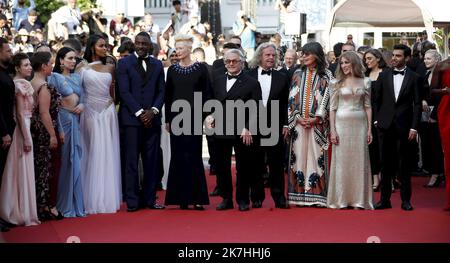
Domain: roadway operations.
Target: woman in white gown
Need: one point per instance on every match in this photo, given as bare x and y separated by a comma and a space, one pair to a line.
99, 132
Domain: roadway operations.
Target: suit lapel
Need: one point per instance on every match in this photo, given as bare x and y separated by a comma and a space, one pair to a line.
221, 87
254, 73
273, 84
138, 67
145, 74
390, 77
404, 83
234, 88
150, 68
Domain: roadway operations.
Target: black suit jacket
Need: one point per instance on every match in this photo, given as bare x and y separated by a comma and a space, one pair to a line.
405, 112
290, 72
279, 90
246, 89
7, 99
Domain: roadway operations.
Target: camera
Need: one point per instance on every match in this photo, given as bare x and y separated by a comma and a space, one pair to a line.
245, 18
285, 3
96, 12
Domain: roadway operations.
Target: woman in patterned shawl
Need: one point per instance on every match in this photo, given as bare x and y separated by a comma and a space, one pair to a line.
308, 125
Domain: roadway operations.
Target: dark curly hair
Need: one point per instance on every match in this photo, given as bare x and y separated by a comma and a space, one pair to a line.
17, 59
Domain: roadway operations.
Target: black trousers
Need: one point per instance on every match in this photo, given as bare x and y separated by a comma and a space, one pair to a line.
275, 161
212, 151
143, 142
246, 170
395, 159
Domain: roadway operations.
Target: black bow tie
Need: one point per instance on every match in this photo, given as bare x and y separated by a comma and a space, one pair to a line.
232, 76
142, 59
266, 72
401, 72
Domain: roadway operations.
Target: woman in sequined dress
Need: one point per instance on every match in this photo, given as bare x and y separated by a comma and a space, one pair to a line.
350, 182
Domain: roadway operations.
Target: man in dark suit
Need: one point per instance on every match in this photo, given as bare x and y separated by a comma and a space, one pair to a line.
218, 67
233, 87
274, 87
7, 98
290, 62
218, 64
397, 114
141, 86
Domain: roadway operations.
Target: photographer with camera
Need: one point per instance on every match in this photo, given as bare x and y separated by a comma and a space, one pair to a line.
286, 7
91, 19
245, 28
70, 17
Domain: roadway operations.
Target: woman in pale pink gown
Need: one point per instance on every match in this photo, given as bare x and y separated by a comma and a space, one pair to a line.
17, 193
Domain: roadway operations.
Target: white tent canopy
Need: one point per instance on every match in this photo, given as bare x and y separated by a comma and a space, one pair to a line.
377, 13
391, 13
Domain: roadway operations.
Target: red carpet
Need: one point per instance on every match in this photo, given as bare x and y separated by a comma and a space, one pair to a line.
427, 223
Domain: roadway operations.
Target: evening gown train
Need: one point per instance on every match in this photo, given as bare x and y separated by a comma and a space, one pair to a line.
100, 169
18, 193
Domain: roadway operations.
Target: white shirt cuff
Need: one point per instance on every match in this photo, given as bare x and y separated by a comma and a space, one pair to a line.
156, 109
139, 112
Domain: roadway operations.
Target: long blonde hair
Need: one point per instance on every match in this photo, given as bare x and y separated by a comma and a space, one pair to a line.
357, 66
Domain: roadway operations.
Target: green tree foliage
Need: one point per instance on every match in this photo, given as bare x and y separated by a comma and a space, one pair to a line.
47, 7
440, 37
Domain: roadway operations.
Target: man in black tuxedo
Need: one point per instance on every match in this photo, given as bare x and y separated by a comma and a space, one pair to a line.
274, 87
397, 114
290, 62
7, 99
141, 86
218, 64
231, 87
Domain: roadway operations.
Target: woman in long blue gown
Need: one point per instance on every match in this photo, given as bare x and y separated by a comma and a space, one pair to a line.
70, 194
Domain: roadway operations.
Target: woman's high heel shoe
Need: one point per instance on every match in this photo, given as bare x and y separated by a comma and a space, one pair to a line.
58, 216
45, 215
435, 181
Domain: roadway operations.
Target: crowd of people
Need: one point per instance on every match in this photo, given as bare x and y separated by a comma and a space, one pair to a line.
87, 125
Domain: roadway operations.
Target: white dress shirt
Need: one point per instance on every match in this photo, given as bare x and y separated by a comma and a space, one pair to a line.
144, 65
265, 81
398, 81
230, 82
